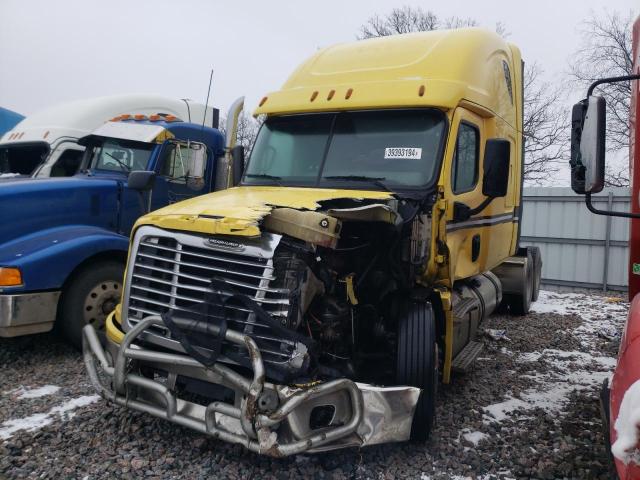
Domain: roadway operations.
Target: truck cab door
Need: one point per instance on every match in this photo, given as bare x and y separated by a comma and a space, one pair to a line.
184, 171
478, 243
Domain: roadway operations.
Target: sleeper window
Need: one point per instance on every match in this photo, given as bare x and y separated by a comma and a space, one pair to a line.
465, 159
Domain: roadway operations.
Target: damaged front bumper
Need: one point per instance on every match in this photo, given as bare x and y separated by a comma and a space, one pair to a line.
270, 419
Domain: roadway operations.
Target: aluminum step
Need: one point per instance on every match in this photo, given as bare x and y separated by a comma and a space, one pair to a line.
464, 360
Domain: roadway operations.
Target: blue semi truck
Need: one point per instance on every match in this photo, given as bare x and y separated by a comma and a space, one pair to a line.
64, 241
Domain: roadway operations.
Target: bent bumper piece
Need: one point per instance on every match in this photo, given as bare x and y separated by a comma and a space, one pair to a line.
27, 313
276, 420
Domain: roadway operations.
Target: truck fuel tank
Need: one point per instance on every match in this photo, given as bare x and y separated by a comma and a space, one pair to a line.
474, 300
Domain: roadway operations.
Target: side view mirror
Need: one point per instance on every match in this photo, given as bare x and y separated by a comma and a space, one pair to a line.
141, 180
497, 154
237, 159
588, 120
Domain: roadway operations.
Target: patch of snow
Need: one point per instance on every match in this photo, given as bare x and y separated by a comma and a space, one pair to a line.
23, 393
499, 411
40, 420
572, 357
602, 317
9, 175
474, 437
588, 307
551, 395
627, 426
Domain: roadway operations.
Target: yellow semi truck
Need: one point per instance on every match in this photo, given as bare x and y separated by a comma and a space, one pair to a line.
318, 301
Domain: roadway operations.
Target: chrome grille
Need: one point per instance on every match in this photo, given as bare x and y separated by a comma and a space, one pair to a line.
173, 272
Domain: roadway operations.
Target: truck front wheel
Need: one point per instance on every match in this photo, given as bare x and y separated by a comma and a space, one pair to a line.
88, 298
417, 364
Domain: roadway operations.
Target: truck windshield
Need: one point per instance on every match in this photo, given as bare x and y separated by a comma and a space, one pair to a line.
22, 159
365, 149
120, 155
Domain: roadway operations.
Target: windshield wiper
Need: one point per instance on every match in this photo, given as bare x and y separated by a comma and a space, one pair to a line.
377, 181
274, 178
122, 164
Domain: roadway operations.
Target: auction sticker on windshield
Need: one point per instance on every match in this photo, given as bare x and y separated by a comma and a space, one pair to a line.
402, 153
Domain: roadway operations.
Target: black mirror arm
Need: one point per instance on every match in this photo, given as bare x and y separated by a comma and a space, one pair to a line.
624, 78
462, 212
482, 206
592, 209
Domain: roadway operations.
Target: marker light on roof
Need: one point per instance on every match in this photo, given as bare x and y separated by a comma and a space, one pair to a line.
139, 116
155, 118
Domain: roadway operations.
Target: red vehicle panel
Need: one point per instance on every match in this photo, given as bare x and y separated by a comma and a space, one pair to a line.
626, 374
628, 368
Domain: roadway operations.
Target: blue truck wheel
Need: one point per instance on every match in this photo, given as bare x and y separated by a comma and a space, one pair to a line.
89, 297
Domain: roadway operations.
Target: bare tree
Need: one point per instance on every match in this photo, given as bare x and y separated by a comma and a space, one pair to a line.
459, 22
606, 52
248, 128
400, 20
545, 126
545, 118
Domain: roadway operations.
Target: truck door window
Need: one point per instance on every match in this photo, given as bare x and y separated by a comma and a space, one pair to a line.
465, 159
67, 164
185, 164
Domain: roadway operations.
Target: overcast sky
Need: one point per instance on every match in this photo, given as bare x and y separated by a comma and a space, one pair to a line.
54, 51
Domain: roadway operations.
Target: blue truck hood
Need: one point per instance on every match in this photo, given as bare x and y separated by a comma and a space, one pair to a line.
31, 206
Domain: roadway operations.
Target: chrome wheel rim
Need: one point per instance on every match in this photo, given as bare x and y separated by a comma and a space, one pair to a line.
100, 302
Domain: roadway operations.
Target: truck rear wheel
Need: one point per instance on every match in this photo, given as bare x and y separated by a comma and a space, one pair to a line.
417, 364
89, 297
536, 256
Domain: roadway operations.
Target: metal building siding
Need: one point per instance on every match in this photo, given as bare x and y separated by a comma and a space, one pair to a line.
572, 239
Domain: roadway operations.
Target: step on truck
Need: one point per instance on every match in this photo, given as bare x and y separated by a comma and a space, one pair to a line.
318, 303
64, 241
620, 395
45, 144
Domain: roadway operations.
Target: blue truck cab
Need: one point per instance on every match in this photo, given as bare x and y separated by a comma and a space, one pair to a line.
64, 241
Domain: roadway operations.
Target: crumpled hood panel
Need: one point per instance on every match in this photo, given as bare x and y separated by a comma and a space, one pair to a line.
237, 211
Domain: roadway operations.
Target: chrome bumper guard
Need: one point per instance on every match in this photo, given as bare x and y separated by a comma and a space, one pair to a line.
267, 419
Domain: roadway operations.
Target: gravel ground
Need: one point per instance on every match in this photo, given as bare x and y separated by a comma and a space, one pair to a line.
528, 410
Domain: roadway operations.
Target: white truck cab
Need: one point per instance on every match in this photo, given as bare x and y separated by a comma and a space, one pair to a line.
45, 144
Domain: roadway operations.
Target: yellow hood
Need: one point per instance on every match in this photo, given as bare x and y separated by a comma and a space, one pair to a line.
237, 211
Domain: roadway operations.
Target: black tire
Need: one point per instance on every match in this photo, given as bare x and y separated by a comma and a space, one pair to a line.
417, 364
89, 297
536, 256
